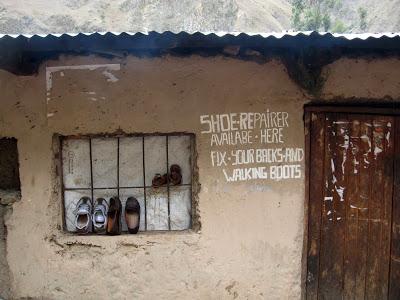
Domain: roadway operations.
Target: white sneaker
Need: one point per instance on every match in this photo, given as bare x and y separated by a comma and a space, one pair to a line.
83, 215
99, 216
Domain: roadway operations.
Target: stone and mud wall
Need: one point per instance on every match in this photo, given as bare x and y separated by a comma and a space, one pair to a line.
249, 198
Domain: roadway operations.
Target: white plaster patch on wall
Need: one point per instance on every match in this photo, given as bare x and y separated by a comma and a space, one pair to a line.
110, 76
51, 70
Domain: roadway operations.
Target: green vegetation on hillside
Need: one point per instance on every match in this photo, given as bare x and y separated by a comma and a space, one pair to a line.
322, 15
316, 15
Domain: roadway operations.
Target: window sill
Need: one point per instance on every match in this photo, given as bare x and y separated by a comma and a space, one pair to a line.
65, 239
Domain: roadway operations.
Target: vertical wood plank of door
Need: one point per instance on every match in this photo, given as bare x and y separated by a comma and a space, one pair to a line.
352, 169
388, 184
362, 204
377, 268
334, 209
394, 285
317, 145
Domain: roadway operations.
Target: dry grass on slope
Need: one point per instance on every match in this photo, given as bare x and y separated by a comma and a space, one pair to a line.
140, 15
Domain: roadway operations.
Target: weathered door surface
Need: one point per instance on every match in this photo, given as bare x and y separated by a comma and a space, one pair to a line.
353, 223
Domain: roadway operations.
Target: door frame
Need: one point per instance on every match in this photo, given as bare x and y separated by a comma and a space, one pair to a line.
365, 109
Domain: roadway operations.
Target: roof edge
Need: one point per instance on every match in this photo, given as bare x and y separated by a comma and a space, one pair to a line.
278, 35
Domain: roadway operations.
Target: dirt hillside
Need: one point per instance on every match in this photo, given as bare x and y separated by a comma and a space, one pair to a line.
141, 15
382, 15
59, 16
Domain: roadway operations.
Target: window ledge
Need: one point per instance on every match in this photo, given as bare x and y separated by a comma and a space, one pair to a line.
64, 239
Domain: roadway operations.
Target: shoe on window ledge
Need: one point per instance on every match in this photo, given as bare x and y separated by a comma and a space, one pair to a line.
99, 216
132, 214
83, 213
159, 180
114, 217
175, 175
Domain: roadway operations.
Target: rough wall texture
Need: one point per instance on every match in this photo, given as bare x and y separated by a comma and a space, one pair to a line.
7, 198
373, 79
250, 243
4, 270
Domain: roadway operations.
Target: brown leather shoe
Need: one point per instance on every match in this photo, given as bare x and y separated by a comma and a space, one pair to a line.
175, 175
159, 180
114, 217
132, 214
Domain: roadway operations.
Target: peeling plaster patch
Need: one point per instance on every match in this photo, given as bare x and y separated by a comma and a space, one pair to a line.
92, 94
110, 76
51, 70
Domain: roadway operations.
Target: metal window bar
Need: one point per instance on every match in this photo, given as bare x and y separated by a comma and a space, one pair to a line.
169, 212
118, 167
144, 187
91, 175
114, 188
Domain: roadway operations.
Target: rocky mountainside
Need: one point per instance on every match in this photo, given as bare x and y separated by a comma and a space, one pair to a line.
59, 16
382, 15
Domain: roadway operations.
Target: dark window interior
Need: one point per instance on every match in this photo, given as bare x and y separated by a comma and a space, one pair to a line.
9, 168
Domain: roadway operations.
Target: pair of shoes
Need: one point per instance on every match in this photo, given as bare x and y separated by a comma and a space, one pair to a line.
132, 216
106, 219
85, 216
174, 177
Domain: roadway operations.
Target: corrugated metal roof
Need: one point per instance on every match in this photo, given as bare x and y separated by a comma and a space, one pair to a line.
22, 54
278, 35
133, 41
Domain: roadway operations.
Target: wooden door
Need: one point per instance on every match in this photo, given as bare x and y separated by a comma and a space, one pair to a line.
351, 251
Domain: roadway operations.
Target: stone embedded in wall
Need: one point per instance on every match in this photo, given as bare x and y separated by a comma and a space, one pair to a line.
252, 145
9, 197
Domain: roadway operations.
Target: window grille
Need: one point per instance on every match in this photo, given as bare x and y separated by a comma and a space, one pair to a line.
124, 166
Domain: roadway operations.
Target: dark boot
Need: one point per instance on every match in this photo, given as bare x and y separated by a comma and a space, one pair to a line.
114, 217
132, 214
175, 175
159, 180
